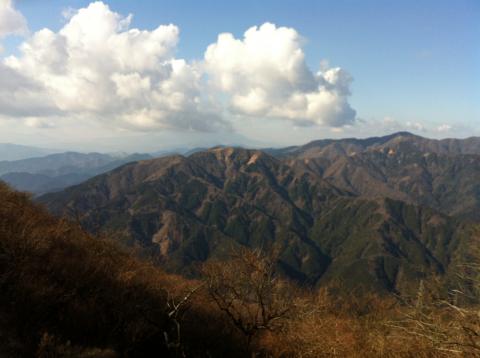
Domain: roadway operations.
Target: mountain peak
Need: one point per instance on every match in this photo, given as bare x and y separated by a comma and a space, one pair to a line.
399, 137
403, 134
234, 154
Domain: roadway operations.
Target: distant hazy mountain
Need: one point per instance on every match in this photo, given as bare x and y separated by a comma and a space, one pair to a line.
330, 208
10, 151
40, 183
178, 151
57, 171
56, 164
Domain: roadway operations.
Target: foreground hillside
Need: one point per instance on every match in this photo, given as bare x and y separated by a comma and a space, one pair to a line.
65, 294
188, 210
68, 294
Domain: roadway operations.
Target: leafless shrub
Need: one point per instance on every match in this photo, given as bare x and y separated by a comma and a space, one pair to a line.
248, 290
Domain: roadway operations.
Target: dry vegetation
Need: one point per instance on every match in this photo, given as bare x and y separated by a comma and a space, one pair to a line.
67, 294
246, 288
63, 288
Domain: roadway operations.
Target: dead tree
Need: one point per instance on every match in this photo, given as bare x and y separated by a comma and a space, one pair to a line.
247, 288
175, 310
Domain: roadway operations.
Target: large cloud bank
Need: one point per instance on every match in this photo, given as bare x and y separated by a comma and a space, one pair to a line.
99, 67
266, 76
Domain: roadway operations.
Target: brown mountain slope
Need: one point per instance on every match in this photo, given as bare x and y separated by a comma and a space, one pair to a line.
444, 175
187, 210
402, 140
191, 208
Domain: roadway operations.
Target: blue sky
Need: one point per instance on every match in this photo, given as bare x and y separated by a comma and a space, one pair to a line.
415, 63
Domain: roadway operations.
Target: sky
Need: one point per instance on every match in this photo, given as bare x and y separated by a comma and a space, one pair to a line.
151, 75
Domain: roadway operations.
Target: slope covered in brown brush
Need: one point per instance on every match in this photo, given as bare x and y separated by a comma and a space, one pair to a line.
63, 290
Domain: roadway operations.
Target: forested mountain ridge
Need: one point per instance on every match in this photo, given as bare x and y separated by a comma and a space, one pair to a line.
328, 222
442, 174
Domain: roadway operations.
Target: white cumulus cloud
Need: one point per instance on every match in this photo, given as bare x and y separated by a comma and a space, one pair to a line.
99, 68
11, 21
96, 66
266, 75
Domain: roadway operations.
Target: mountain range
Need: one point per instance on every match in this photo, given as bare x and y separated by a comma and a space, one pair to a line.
441, 174
54, 172
9, 151
381, 213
